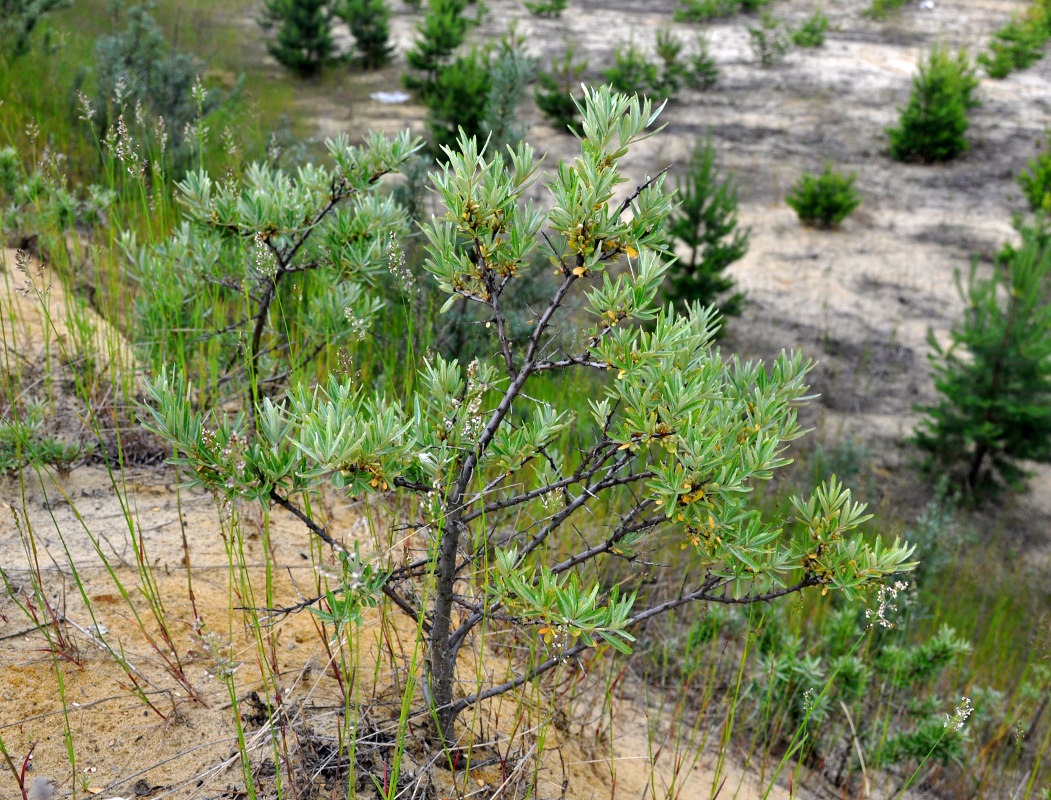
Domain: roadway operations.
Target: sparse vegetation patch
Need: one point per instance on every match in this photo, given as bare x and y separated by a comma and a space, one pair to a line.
824, 200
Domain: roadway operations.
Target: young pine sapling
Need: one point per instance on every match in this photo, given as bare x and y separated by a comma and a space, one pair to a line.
705, 224
995, 377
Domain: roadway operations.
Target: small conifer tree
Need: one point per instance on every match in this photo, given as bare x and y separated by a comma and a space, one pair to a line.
824, 200
770, 40
703, 73
458, 99
705, 10
479, 93
369, 23
633, 71
705, 224
442, 31
1020, 43
933, 124
660, 78
304, 40
511, 70
1035, 180
812, 32
995, 377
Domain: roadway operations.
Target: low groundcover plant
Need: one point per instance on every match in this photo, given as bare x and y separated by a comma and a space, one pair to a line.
676, 440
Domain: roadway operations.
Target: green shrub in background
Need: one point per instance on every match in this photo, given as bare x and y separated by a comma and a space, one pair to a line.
634, 72
1016, 46
704, 10
870, 701
806, 684
10, 170
824, 200
369, 23
994, 379
18, 20
441, 32
880, 8
458, 99
303, 41
704, 230
479, 92
1035, 180
24, 439
546, 8
933, 124
39, 201
678, 69
1019, 44
674, 443
555, 91
703, 73
673, 72
812, 32
769, 41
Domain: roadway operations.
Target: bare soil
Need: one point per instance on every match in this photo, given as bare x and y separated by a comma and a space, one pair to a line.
859, 300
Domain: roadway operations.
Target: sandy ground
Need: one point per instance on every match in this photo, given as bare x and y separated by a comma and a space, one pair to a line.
859, 300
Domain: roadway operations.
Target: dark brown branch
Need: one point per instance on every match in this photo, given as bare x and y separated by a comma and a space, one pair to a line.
312, 526
302, 363
498, 315
570, 361
639, 190
587, 494
702, 594
405, 606
555, 521
322, 534
412, 486
610, 542
544, 321
585, 470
